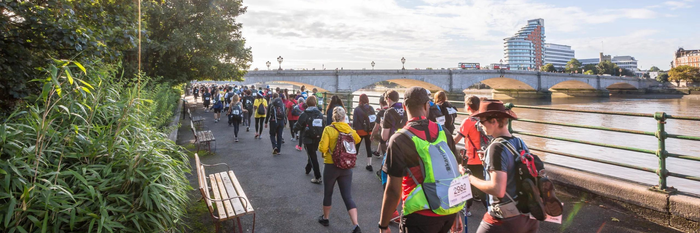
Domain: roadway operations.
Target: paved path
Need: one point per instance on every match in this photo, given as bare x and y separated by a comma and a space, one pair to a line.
286, 201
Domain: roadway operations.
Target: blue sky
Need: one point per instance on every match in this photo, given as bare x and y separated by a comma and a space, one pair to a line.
441, 33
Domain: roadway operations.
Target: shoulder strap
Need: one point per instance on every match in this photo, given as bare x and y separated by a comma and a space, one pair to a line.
510, 147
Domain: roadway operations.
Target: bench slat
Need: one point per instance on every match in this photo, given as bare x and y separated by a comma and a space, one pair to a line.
236, 203
224, 195
239, 188
215, 190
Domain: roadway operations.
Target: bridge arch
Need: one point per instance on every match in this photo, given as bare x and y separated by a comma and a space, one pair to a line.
351, 81
405, 82
621, 86
572, 85
505, 83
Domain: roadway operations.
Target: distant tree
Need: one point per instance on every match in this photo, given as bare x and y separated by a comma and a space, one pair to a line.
627, 72
646, 75
590, 67
662, 78
573, 65
589, 72
548, 68
654, 69
607, 67
684, 73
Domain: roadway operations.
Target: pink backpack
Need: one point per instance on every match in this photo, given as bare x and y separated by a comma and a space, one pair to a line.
344, 155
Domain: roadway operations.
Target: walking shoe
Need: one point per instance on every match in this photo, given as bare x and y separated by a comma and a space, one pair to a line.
308, 170
369, 167
316, 181
376, 153
275, 151
247, 129
282, 140
534, 202
323, 221
236, 139
257, 135
298, 147
552, 204
469, 213
379, 175
356, 229
293, 139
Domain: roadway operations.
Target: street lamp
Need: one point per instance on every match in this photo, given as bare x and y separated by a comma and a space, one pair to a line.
372, 65
280, 59
403, 62
268, 65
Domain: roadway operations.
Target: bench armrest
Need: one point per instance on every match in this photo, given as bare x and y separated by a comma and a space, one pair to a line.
217, 164
245, 204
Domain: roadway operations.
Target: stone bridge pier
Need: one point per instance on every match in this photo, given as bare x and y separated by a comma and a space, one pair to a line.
505, 83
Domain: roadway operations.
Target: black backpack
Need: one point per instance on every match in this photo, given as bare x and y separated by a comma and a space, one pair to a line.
278, 111
296, 111
261, 109
367, 122
196, 91
435, 115
527, 167
314, 125
236, 112
248, 102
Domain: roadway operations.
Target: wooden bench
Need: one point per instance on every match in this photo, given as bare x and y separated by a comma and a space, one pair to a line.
203, 137
196, 119
229, 202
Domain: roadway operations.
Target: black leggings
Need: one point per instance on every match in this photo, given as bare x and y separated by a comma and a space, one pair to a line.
259, 121
291, 127
331, 174
368, 145
236, 127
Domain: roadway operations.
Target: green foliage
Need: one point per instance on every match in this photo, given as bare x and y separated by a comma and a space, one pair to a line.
548, 68
662, 77
589, 72
590, 67
86, 155
573, 65
684, 73
654, 69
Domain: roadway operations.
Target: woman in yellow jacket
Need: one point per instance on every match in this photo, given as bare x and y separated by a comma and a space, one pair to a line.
331, 173
259, 118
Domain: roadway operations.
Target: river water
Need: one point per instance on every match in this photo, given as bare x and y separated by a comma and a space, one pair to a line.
683, 107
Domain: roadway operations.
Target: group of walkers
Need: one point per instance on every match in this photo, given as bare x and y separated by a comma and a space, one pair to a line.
421, 166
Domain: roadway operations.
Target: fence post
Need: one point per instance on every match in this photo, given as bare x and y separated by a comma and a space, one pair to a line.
348, 105
661, 153
510, 106
323, 109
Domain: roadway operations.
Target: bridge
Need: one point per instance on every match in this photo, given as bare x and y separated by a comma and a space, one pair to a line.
508, 82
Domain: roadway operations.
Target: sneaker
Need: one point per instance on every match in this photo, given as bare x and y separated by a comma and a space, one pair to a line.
379, 175
376, 153
534, 203
552, 204
275, 151
298, 147
323, 221
356, 229
236, 139
247, 129
369, 167
469, 213
293, 140
316, 181
282, 140
257, 135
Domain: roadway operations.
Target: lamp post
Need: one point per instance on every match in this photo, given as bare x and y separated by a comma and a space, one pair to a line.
372, 65
280, 59
268, 65
403, 62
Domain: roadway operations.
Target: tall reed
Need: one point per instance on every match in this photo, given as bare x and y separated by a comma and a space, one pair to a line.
90, 156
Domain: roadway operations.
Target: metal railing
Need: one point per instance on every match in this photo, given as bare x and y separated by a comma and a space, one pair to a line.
661, 153
660, 134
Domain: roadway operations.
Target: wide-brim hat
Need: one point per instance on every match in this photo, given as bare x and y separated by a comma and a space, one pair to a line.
494, 109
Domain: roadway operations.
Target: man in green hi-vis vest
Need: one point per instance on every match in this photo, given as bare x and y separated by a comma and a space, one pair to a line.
422, 163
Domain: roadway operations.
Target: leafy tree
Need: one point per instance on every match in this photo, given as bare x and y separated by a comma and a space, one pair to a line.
646, 75
573, 65
589, 72
548, 68
627, 72
662, 78
684, 73
654, 69
606, 67
32, 33
590, 67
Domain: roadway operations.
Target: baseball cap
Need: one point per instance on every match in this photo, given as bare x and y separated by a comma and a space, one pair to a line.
415, 96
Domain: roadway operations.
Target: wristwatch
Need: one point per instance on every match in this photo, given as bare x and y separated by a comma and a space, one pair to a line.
383, 228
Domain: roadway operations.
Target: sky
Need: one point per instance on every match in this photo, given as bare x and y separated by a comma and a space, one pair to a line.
350, 34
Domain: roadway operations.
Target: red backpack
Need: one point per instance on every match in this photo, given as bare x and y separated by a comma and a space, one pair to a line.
344, 155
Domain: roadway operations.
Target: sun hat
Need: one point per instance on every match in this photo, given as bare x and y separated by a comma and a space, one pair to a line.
494, 109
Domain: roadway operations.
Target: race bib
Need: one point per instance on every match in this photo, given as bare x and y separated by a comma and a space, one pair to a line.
206, 98
317, 123
372, 118
451, 111
460, 191
320, 102
440, 120
235, 112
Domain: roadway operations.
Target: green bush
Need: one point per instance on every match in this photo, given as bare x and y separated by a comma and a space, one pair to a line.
90, 155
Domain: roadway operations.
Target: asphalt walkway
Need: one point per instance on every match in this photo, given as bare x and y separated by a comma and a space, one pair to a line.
286, 201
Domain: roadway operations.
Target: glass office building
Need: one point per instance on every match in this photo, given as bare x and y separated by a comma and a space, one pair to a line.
525, 50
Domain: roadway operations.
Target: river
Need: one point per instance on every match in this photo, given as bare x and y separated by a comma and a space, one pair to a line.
683, 107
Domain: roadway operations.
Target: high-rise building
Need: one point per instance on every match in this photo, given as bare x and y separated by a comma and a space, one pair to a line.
525, 50
625, 62
557, 55
686, 57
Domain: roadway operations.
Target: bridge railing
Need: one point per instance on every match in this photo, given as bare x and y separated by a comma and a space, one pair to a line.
661, 153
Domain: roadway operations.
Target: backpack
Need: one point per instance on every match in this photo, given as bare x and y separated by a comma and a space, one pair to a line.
248, 102
296, 111
527, 168
314, 125
261, 109
435, 114
344, 155
196, 91
278, 111
451, 110
236, 112
367, 122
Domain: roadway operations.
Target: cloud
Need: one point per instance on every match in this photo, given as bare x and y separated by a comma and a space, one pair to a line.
678, 4
429, 33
